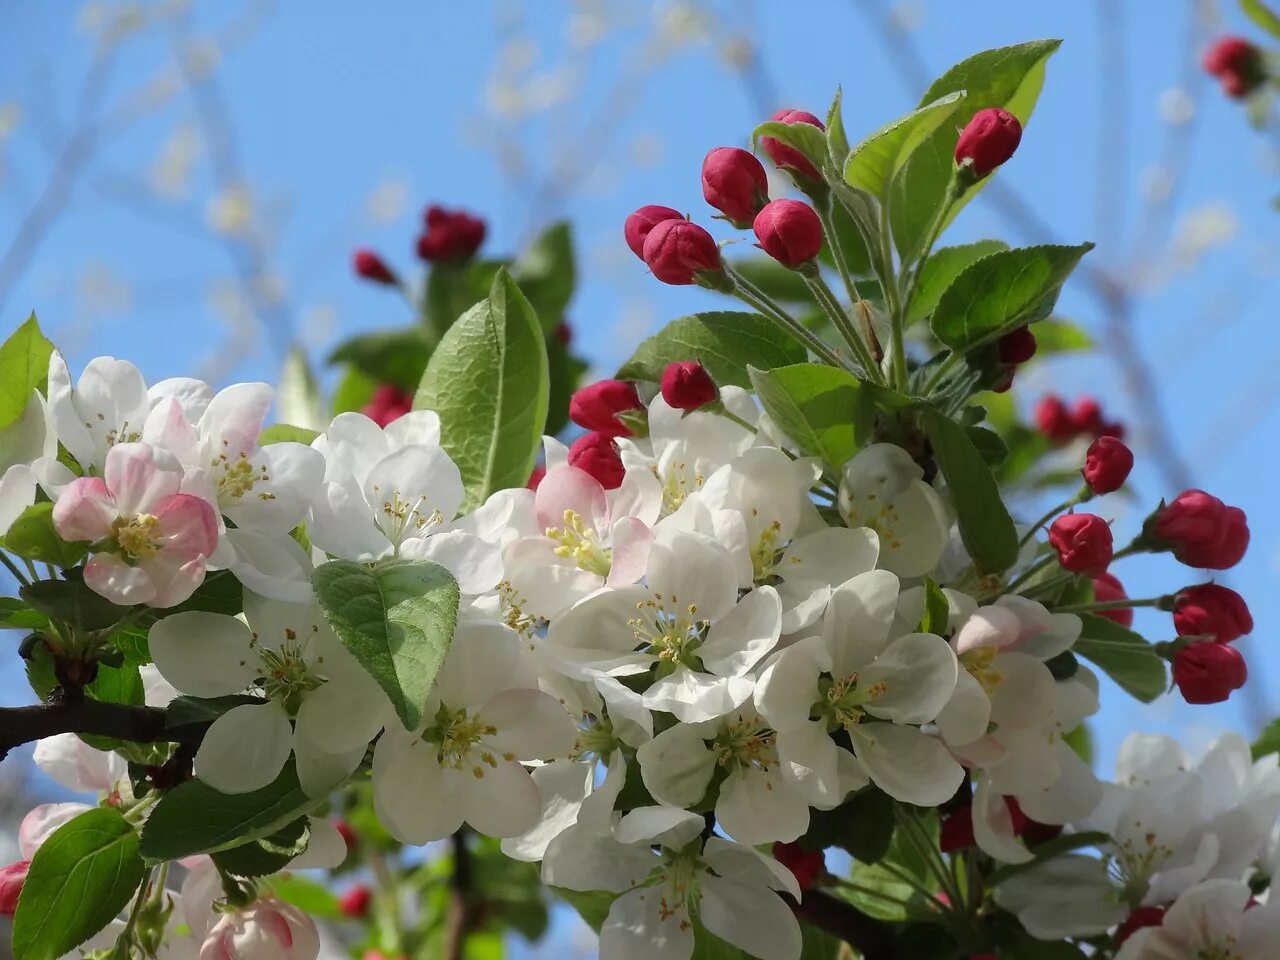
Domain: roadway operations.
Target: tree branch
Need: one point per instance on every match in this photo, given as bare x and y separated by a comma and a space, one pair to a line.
19, 725
871, 938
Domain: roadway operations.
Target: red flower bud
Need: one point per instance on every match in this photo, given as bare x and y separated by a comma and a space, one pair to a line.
988, 140
1212, 610
677, 250
1141, 917
1086, 414
807, 865
597, 455
12, 878
450, 235
1054, 420
369, 266
1017, 346
347, 833
638, 225
1207, 672
956, 830
1107, 465
687, 386
355, 902
388, 403
1203, 531
536, 477
1083, 542
789, 231
1237, 64
1107, 589
734, 182
563, 333
789, 158
597, 405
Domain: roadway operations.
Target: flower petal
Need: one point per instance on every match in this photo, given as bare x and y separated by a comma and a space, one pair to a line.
750, 917
907, 764
245, 748
204, 654
530, 725
745, 635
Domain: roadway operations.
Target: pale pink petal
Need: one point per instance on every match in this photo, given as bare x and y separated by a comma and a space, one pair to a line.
186, 526
568, 488
630, 541
42, 821
231, 423
141, 477
84, 510
173, 584
108, 575
988, 627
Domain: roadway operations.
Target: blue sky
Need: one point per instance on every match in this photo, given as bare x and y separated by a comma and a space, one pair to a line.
331, 100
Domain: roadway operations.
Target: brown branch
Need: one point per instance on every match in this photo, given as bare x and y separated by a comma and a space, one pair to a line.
462, 914
872, 939
68, 714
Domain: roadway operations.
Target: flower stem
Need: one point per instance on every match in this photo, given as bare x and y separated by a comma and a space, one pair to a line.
1114, 605
840, 317
850, 285
754, 297
13, 569
1031, 571
1067, 504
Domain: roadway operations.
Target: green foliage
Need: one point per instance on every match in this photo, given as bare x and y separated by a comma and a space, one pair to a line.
266, 855
1008, 77
488, 382
70, 601
1263, 15
193, 711
805, 137
875, 163
1055, 335
817, 406
24, 367
308, 896
1001, 291
837, 139
16, 615
286, 433
1268, 741
354, 390
33, 536
453, 289
564, 373
862, 826
1123, 655
940, 270
387, 356
195, 818
397, 618
985, 525
80, 878
778, 282
725, 342
937, 610
547, 273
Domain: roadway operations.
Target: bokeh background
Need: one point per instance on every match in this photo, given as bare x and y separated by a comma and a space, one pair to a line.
182, 184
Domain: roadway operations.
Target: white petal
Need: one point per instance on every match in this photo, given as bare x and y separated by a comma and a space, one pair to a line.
689, 568
788, 686
562, 786
669, 826
530, 725
204, 654
677, 766
342, 523
41, 822
480, 663
405, 770
831, 555
631, 721
743, 864
1024, 692
579, 858
858, 618
272, 566
325, 847
499, 801
993, 826
694, 696
424, 481
420, 427
245, 748
594, 635
907, 764
474, 563
918, 672
741, 639
752, 918
756, 806
637, 928
811, 764
967, 714
912, 542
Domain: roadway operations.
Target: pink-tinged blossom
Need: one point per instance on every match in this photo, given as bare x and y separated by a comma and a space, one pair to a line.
268, 930
150, 542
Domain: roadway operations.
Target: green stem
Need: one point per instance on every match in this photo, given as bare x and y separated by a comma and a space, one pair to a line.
928, 852
1114, 605
897, 322
868, 892
1031, 571
753, 297
846, 277
939, 373
125, 940
840, 317
13, 569
1067, 504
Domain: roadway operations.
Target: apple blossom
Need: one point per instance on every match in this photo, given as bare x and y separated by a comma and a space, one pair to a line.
266, 930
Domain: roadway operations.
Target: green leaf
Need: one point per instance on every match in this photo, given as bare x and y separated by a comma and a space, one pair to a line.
816, 405
488, 382
73, 602
354, 390
1261, 14
564, 373
546, 272
771, 277
592, 905
1008, 77
24, 367
33, 536
941, 270
286, 433
862, 826
298, 398
874, 163
195, 818
387, 356
879, 894
308, 896
837, 139
1122, 655
805, 137
80, 878
192, 711
1055, 335
937, 610
16, 615
725, 342
397, 619
454, 288
266, 855
1001, 291
990, 445
985, 525
1268, 741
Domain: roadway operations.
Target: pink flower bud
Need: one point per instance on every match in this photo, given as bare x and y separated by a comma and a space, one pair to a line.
450, 235
1237, 64
677, 251
597, 405
687, 386
1202, 531
1017, 346
805, 865
1107, 465
789, 158
388, 404
1054, 420
596, 454
638, 225
355, 902
1212, 610
1207, 672
267, 930
370, 266
1137, 920
789, 231
734, 182
988, 140
536, 477
1083, 542
348, 834
956, 830
12, 878
1107, 589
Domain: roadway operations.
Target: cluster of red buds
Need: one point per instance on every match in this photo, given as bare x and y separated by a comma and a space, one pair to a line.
448, 236
1062, 423
1238, 64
